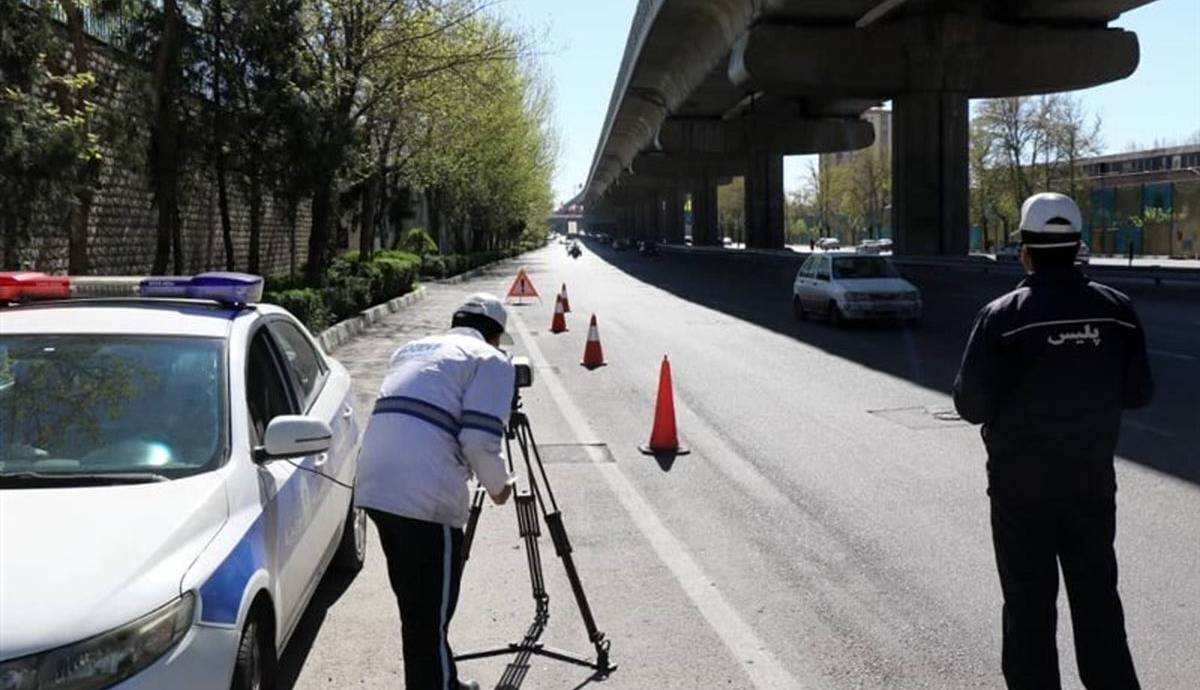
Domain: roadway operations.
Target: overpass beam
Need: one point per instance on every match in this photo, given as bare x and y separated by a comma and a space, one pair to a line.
764, 201
930, 190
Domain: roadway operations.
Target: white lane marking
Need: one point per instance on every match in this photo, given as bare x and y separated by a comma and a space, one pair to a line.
1141, 426
1172, 355
764, 669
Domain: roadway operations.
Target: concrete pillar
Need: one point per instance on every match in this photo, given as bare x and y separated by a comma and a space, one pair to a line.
653, 226
705, 228
764, 201
672, 213
643, 219
930, 192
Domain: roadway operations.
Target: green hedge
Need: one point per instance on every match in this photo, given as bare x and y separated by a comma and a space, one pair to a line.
352, 285
305, 304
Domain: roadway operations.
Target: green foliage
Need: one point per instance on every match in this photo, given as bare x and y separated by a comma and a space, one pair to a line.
351, 285
43, 145
306, 304
1023, 145
419, 242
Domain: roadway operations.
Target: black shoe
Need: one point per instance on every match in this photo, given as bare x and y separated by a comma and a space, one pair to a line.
468, 685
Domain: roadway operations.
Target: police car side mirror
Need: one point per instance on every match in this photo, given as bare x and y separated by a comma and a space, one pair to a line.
294, 436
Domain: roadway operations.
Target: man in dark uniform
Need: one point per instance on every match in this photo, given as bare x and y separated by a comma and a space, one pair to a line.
1048, 369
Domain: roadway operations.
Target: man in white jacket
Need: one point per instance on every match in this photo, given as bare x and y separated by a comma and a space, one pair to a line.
440, 418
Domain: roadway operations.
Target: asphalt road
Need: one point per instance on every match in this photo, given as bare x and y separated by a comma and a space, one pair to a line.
828, 530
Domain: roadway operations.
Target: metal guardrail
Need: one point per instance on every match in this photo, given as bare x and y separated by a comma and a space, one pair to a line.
1157, 274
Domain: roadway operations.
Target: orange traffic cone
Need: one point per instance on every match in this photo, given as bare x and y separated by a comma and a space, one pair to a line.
593, 356
559, 323
664, 438
566, 302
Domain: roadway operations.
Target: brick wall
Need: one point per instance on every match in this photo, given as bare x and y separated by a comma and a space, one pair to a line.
122, 227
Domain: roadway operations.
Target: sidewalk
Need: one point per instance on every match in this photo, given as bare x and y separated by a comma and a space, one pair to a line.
350, 636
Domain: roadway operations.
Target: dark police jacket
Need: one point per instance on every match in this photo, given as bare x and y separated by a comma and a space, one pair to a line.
1047, 370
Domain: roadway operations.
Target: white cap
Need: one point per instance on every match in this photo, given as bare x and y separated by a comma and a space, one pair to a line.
489, 305
1050, 220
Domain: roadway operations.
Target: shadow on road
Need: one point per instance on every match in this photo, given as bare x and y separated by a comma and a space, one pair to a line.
332, 587
1164, 436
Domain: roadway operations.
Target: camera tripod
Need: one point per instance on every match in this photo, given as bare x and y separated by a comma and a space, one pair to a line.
539, 497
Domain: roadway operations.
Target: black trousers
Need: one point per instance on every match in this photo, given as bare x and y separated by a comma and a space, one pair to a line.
424, 561
1032, 537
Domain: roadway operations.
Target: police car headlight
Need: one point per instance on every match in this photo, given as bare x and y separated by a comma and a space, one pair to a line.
107, 658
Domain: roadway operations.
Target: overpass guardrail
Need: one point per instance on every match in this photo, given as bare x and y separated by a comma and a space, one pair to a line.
967, 264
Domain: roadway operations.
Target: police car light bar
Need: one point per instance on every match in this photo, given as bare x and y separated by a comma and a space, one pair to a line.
226, 288
30, 285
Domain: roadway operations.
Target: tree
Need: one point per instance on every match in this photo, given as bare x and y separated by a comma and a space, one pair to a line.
45, 148
365, 57
1023, 145
861, 188
822, 196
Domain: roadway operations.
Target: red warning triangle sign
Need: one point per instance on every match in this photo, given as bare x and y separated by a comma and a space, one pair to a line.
523, 287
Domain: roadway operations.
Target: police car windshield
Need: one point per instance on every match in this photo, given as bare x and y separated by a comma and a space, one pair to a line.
854, 267
96, 404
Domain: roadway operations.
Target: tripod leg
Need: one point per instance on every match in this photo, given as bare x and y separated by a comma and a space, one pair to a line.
562, 546
530, 530
472, 522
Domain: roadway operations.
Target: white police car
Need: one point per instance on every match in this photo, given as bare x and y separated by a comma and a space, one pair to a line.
175, 473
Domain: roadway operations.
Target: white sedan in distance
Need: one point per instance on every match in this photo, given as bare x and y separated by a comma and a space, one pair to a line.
844, 286
177, 465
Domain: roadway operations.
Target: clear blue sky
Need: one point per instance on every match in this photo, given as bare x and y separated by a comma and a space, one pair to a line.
1161, 101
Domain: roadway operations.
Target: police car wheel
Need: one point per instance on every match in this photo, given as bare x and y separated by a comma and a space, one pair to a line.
254, 664
352, 550
798, 309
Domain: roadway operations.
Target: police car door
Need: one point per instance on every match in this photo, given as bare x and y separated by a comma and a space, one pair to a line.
328, 399
289, 494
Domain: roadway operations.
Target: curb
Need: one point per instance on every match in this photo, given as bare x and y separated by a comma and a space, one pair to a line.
331, 338
473, 273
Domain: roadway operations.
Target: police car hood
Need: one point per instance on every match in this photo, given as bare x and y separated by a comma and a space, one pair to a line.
78, 561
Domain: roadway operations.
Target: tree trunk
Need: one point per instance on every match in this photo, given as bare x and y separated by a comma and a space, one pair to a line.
293, 203
177, 235
254, 261
77, 240
77, 255
318, 237
164, 140
223, 207
11, 258
370, 203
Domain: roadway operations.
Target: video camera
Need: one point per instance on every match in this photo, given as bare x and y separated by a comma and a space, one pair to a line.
523, 379
524, 372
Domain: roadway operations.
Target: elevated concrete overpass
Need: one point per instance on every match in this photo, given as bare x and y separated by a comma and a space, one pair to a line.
710, 89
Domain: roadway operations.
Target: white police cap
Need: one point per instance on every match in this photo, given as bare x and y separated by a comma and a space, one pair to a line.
489, 305
1050, 220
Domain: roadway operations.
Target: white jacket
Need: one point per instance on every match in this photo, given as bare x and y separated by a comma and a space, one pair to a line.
440, 417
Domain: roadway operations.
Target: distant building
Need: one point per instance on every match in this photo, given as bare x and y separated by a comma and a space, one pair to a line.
1149, 200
